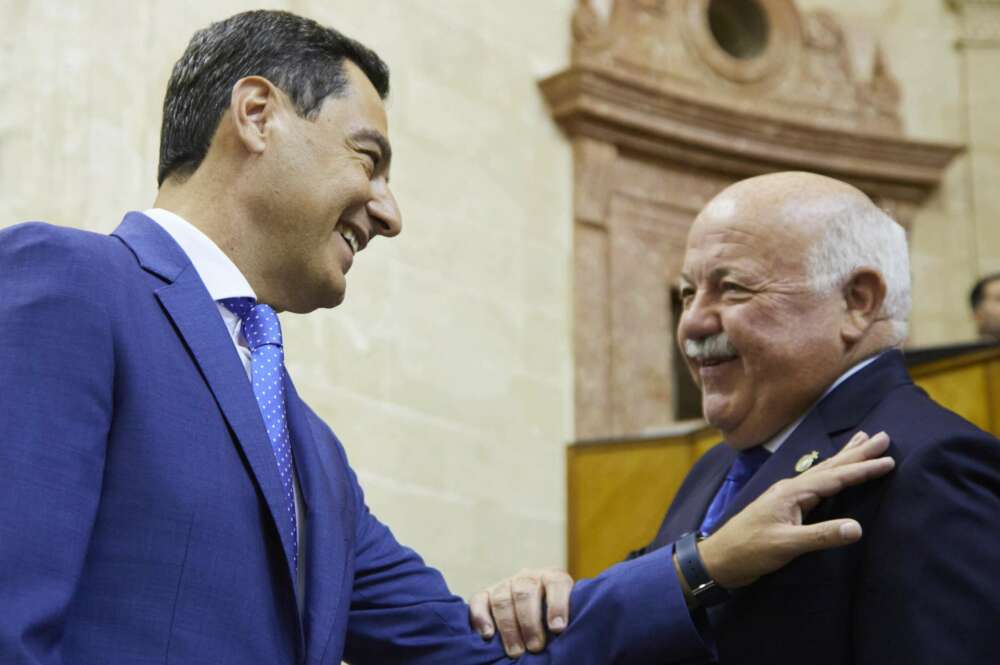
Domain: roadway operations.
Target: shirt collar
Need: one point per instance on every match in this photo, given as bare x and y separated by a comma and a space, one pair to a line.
775, 441
217, 271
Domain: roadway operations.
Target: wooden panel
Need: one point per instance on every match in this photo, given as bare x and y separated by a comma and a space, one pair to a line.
968, 384
618, 492
993, 379
962, 391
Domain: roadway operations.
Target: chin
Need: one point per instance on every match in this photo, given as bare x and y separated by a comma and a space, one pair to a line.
330, 299
325, 299
721, 418
714, 410
329, 293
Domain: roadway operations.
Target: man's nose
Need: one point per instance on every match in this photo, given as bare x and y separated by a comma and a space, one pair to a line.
699, 320
385, 212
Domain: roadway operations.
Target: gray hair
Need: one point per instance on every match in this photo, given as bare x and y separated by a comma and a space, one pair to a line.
863, 236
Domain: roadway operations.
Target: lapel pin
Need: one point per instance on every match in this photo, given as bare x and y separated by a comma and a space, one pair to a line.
806, 461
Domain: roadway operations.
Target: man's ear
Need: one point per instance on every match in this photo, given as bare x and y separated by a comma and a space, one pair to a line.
253, 105
864, 295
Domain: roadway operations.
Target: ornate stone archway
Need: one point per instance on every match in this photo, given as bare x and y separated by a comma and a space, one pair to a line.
666, 102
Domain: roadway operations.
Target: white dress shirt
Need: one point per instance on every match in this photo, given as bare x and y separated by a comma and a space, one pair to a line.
224, 280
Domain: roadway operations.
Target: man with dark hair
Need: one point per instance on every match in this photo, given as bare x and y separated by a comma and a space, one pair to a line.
985, 302
302, 58
167, 495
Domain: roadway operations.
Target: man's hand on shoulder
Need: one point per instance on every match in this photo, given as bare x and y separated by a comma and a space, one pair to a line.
769, 533
515, 607
763, 537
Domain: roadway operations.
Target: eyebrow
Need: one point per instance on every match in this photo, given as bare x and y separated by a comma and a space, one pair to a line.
715, 274
378, 139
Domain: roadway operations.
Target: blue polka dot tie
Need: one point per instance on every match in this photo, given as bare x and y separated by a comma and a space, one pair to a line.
262, 331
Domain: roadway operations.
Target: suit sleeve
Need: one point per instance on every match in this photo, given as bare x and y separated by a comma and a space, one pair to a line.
929, 592
56, 372
403, 613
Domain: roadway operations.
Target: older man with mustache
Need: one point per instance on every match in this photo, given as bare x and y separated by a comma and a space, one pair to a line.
796, 294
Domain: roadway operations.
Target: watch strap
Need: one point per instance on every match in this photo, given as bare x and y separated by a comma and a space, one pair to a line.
704, 589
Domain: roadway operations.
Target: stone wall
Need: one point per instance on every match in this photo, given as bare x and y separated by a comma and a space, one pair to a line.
950, 93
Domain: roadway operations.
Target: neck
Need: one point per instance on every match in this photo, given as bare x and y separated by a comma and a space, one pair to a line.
877, 340
767, 433
217, 211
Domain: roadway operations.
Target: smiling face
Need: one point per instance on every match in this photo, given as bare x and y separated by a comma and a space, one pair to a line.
745, 276
324, 195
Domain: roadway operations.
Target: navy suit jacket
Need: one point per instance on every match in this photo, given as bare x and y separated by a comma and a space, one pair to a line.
923, 584
138, 493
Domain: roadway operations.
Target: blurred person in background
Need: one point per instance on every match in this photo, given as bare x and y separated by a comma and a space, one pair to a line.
985, 302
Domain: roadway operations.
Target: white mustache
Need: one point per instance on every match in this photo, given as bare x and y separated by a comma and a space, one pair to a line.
711, 348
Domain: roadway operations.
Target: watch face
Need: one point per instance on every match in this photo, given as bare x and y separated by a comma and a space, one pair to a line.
710, 594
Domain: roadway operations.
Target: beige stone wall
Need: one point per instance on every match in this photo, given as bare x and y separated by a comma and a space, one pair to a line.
950, 92
447, 371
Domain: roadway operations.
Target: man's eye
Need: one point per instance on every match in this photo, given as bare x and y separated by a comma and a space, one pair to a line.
687, 295
731, 286
371, 162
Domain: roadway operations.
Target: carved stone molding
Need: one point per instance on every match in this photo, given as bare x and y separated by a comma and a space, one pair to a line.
623, 110
777, 43
979, 23
666, 103
801, 66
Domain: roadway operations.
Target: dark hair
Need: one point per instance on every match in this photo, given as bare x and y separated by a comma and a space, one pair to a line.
979, 290
301, 57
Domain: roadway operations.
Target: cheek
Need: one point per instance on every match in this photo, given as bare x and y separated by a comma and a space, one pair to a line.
767, 345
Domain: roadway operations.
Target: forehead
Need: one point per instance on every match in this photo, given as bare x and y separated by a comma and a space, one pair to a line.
358, 107
733, 233
992, 289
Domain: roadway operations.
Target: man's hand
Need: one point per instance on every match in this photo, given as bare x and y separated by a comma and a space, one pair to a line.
769, 533
762, 538
516, 606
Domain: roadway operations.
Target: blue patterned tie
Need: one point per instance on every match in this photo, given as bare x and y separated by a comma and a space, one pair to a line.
262, 331
746, 464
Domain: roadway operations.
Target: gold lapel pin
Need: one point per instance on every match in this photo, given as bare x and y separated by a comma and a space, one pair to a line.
806, 461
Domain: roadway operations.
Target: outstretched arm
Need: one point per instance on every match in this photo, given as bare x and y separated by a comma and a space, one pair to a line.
402, 612
764, 537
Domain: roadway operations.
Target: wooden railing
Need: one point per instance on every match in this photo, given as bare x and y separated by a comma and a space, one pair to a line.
619, 489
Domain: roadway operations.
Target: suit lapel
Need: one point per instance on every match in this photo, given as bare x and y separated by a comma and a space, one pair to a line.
324, 490
808, 438
840, 411
848, 405
196, 317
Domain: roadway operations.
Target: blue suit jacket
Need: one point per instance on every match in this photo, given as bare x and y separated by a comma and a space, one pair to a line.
923, 584
138, 490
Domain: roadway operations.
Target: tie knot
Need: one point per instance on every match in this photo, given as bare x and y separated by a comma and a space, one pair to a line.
260, 322
747, 463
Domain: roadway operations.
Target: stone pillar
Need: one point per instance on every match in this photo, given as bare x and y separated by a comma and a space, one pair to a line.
979, 41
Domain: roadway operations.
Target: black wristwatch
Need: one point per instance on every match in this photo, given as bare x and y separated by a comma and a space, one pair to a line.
705, 590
